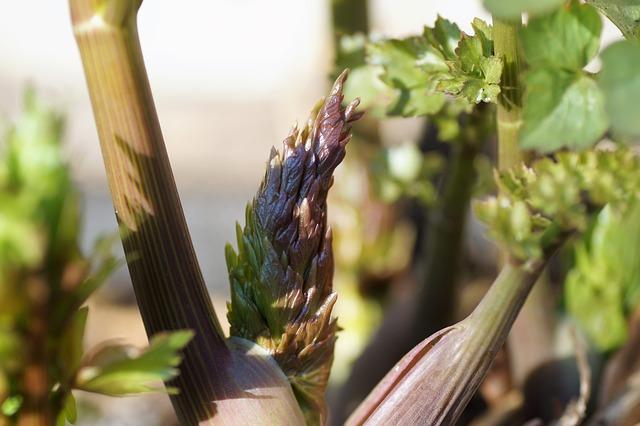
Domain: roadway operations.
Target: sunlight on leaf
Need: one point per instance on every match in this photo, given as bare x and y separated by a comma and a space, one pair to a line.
625, 14
563, 105
562, 110
602, 289
119, 370
620, 82
567, 39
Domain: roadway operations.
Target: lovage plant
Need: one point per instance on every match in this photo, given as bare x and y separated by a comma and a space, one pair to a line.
521, 88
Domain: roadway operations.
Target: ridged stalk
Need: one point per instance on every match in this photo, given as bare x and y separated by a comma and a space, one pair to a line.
509, 110
531, 338
167, 280
433, 383
281, 277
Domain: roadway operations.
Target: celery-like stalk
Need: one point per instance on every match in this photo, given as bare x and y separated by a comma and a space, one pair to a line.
166, 277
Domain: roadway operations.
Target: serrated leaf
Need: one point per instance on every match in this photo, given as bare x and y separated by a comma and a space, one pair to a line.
119, 370
483, 30
444, 37
566, 39
441, 61
625, 14
512, 10
403, 59
620, 82
471, 51
405, 63
562, 109
475, 74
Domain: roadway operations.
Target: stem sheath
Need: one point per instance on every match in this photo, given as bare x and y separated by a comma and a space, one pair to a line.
435, 381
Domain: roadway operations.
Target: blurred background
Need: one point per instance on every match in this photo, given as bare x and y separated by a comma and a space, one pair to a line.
229, 78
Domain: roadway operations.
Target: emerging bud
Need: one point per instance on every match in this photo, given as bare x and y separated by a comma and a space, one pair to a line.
281, 277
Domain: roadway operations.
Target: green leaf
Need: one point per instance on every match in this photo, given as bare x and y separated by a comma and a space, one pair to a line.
364, 80
625, 14
36, 180
602, 289
22, 240
11, 405
562, 109
512, 10
444, 37
416, 102
71, 344
563, 106
119, 370
103, 262
474, 74
483, 31
559, 194
69, 412
405, 63
444, 60
405, 60
566, 39
620, 82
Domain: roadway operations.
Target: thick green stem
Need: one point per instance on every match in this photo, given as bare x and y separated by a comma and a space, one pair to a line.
166, 277
494, 315
532, 332
350, 17
509, 117
445, 234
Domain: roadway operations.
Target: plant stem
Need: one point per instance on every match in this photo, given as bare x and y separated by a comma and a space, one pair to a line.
349, 17
445, 233
449, 366
37, 409
531, 338
431, 308
167, 280
499, 307
509, 116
